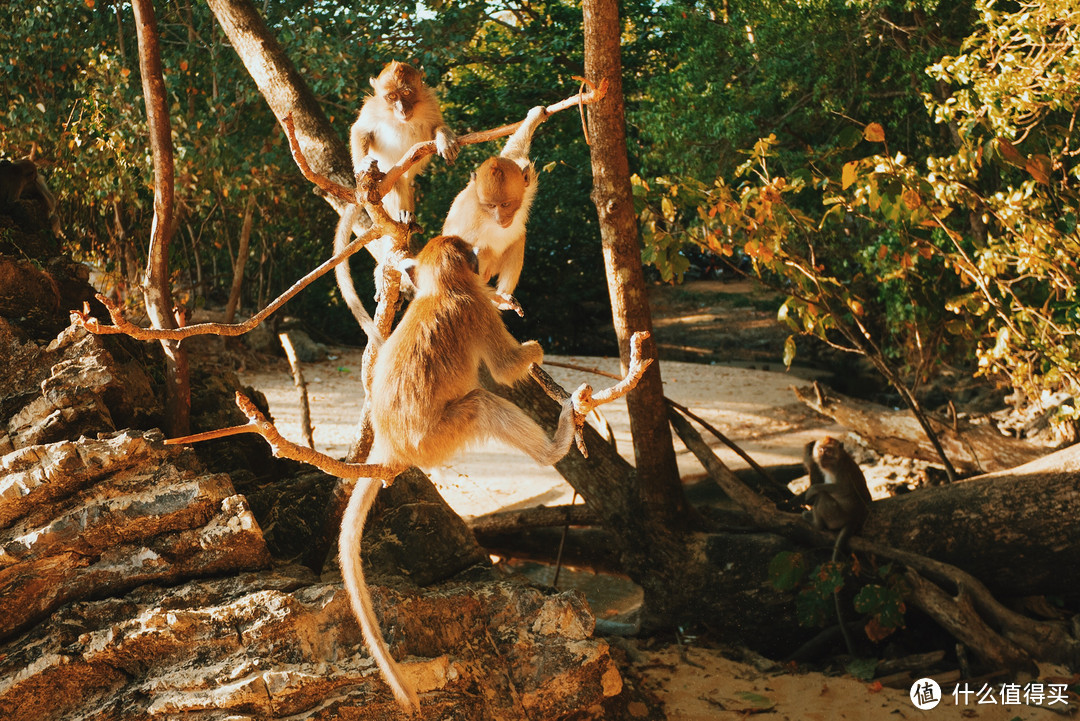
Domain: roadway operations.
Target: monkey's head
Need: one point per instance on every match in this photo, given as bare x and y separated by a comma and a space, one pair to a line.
400, 87
447, 261
500, 189
829, 453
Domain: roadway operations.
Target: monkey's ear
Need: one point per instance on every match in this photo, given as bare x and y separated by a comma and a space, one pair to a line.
527, 175
474, 261
408, 267
374, 82
472, 177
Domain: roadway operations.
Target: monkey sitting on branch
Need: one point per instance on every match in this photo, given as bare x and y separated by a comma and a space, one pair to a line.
839, 501
402, 111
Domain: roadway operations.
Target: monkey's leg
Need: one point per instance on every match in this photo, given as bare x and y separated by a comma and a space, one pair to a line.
482, 414
352, 530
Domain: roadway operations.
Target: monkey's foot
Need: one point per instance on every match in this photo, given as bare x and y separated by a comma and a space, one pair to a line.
505, 301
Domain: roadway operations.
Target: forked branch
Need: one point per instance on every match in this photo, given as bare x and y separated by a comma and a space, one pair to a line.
585, 400
284, 448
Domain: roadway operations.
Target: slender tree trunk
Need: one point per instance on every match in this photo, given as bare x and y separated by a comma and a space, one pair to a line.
241, 261
654, 452
156, 290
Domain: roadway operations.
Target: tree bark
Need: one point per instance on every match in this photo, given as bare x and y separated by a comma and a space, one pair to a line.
972, 449
241, 261
157, 293
654, 451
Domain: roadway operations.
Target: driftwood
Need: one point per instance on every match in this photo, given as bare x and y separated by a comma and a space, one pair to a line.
971, 448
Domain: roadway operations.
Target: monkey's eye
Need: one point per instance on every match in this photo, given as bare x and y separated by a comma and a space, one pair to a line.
391, 97
506, 205
406, 92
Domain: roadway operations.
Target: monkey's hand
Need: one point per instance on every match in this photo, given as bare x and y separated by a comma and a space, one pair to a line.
539, 111
446, 144
505, 301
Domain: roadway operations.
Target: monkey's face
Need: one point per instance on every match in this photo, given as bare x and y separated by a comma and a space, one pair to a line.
828, 452
397, 86
500, 190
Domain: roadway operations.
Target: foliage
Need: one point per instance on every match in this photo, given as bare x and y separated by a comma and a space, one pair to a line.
73, 98
880, 601
963, 251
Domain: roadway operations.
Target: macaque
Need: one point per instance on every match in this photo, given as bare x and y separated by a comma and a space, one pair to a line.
427, 403
841, 501
491, 212
402, 112
20, 180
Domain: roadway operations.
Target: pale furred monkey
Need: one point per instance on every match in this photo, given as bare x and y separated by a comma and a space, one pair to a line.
402, 111
492, 210
427, 403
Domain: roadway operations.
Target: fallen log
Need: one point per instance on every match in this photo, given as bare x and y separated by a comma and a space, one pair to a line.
971, 448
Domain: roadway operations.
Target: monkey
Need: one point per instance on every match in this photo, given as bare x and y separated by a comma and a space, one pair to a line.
839, 501
491, 212
402, 111
427, 404
20, 180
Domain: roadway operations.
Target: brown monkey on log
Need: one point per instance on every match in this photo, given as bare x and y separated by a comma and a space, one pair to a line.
427, 403
839, 501
20, 180
402, 112
491, 212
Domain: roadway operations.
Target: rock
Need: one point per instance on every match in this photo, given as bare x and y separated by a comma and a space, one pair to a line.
279, 644
94, 518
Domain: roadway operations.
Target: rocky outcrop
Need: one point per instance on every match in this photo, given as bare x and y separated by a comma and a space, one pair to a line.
281, 645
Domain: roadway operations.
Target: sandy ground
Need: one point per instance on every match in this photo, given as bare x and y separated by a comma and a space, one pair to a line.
755, 408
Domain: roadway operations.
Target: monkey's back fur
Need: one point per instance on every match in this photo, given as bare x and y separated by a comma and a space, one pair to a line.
425, 409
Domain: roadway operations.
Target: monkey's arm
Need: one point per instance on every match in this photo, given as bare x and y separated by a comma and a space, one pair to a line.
507, 359
517, 147
509, 270
360, 139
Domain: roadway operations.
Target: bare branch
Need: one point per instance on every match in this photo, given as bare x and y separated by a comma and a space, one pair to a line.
584, 399
122, 325
284, 448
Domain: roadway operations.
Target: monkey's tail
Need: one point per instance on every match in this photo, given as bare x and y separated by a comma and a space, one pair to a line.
343, 274
352, 530
849, 642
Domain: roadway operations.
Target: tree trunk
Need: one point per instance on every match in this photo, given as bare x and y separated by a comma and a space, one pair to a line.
654, 452
284, 89
241, 261
156, 291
